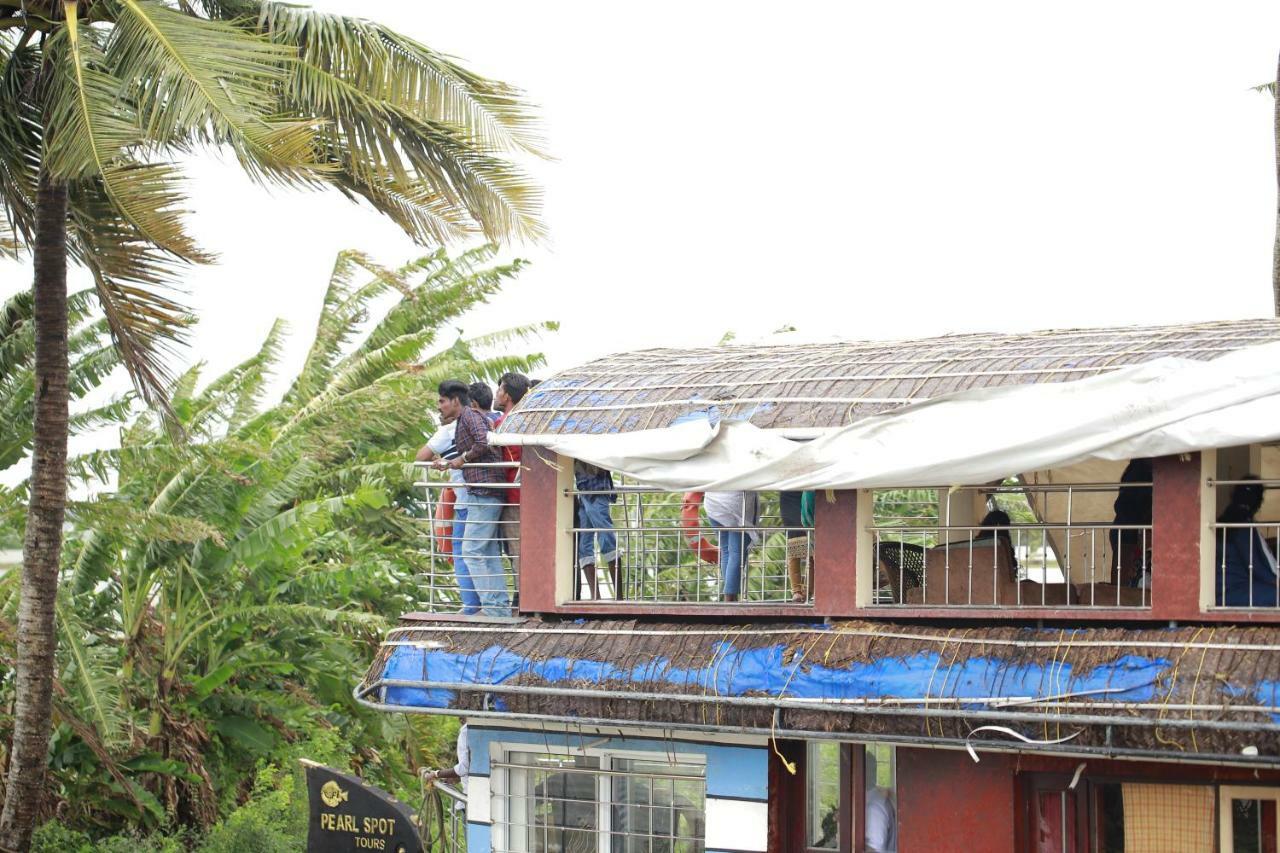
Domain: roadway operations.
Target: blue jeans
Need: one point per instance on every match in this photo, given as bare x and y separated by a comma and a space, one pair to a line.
481, 552
733, 558
466, 589
593, 511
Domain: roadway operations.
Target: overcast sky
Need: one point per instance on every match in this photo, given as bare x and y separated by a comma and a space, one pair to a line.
853, 169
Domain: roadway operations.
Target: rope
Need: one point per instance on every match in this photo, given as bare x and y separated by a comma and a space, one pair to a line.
1195, 747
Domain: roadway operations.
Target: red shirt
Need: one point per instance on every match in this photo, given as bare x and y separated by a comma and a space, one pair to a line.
510, 453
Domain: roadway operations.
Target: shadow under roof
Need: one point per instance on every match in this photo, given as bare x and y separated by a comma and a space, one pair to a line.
834, 384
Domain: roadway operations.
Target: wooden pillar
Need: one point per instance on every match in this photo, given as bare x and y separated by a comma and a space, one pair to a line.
835, 553
546, 514
1177, 528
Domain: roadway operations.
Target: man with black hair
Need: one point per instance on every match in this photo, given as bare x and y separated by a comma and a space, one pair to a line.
1245, 567
482, 401
511, 390
441, 448
484, 503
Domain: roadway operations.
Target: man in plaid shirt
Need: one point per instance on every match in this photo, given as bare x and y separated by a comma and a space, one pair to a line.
480, 535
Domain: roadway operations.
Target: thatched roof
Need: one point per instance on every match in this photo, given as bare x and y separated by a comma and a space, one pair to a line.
1178, 692
834, 384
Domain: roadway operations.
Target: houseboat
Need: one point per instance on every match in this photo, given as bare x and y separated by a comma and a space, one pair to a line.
973, 592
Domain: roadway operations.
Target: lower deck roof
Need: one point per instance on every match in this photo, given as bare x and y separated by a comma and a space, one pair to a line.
1188, 692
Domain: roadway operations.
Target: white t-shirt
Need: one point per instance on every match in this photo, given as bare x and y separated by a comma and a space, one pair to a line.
442, 444
463, 767
733, 509
881, 834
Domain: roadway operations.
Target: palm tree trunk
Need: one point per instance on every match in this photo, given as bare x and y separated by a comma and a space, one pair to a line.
1275, 255
33, 687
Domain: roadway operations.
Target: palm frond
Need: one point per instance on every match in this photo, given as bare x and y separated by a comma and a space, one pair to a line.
130, 275
90, 676
115, 412
20, 141
91, 132
1269, 88
236, 394
399, 71
206, 80
341, 315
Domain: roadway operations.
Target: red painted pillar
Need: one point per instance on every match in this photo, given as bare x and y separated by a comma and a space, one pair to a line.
539, 529
1175, 537
835, 551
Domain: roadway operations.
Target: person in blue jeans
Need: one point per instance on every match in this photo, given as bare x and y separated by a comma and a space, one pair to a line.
442, 449
485, 498
732, 514
592, 511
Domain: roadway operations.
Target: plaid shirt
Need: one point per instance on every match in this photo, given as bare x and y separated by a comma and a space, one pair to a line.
472, 438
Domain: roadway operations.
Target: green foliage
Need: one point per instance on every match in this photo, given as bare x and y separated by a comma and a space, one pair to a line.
92, 358
110, 98
222, 600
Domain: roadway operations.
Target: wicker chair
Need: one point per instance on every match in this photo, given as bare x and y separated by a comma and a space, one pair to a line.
902, 565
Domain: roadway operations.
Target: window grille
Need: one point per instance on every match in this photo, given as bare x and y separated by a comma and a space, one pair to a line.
602, 803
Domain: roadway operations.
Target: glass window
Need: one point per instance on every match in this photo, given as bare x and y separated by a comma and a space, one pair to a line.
564, 803
822, 796
657, 807
1248, 823
552, 802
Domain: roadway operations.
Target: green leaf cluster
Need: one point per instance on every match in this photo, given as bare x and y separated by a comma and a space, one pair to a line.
108, 97
222, 595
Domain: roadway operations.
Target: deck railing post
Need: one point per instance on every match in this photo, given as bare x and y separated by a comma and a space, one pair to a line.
546, 513
1177, 528
835, 553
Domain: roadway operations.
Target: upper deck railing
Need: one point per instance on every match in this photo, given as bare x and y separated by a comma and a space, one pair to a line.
629, 549
453, 582
1018, 562
636, 544
1245, 571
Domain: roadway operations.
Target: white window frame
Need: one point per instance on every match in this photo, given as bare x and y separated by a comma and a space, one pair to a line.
1227, 793
500, 783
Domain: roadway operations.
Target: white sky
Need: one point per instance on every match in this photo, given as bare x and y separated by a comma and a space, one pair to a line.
855, 169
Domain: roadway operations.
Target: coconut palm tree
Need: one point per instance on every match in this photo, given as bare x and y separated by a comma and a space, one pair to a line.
98, 98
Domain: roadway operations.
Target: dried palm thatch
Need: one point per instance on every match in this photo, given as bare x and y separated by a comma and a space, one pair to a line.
1183, 692
834, 384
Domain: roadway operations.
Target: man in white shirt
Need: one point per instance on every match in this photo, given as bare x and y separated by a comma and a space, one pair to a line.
879, 815
441, 449
459, 772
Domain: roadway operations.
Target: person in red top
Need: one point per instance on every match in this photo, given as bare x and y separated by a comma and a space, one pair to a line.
511, 390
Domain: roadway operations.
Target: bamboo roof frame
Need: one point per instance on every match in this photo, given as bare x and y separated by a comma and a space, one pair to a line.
829, 385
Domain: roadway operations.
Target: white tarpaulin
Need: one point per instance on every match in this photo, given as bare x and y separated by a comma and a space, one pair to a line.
1167, 406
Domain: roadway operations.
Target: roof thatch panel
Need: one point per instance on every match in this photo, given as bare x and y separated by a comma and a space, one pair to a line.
1183, 692
834, 384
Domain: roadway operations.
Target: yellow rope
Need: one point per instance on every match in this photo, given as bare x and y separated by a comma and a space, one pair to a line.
1195, 747
1173, 682
928, 690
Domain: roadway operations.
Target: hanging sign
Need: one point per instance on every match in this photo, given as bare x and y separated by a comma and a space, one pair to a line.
348, 816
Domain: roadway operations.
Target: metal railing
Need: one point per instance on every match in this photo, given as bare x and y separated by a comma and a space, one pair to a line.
921, 558
487, 581
633, 544
442, 817
1245, 572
